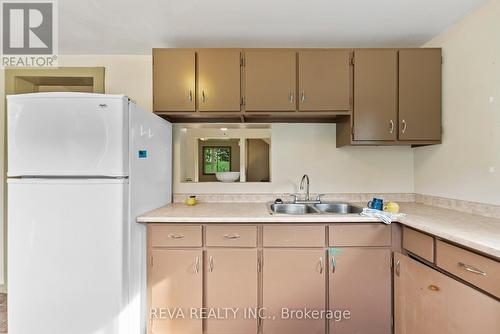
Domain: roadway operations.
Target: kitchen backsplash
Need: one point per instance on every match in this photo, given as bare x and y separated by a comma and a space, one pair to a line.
353, 197
486, 210
483, 209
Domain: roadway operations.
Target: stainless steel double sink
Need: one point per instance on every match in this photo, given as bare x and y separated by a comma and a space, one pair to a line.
313, 208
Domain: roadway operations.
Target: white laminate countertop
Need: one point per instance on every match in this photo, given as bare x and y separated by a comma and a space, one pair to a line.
472, 231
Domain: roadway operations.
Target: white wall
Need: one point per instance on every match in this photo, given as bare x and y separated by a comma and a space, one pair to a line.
297, 149
467, 165
124, 74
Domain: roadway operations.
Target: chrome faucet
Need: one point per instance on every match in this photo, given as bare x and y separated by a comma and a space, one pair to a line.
306, 179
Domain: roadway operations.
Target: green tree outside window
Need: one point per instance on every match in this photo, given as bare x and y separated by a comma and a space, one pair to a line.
216, 159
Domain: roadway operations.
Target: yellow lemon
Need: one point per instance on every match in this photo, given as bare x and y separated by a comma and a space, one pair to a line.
391, 207
191, 200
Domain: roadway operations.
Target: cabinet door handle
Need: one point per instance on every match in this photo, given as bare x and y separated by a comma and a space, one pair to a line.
397, 268
190, 96
231, 236
471, 269
391, 126
333, 264
197, 265
203, 98
211, 263
405, 126
290, 97
320, 265
303, 97
176, 236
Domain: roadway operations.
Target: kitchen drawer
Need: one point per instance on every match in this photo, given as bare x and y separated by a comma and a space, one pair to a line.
294, 236
231, 236
418, 243
357, 234
176, 236
476, 269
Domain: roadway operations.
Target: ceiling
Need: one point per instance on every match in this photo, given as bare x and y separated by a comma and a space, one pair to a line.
135, 26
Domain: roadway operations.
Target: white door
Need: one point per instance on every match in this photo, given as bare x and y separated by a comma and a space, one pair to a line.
70, 134
67, 256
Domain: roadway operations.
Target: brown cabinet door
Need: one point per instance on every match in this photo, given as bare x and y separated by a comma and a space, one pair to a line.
375, 95
420, 94
176, 284
426, 301
173, 80
360, 281
219, 80
270, 80
293, 279
231, 284
324, 80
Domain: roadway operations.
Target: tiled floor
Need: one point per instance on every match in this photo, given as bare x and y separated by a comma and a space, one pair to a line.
3, 313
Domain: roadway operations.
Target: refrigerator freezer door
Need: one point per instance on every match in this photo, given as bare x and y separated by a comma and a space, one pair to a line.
67, 135
67, 242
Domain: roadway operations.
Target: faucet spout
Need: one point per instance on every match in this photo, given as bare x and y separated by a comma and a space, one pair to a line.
305, 179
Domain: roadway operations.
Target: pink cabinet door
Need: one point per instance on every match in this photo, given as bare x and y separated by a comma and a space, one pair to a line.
231, 285
175, 284
427, 301
293, 279
360, 282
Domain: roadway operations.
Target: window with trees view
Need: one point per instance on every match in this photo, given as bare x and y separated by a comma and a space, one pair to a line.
216, 159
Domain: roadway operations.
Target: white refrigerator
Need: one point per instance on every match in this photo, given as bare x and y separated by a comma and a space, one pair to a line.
81, 168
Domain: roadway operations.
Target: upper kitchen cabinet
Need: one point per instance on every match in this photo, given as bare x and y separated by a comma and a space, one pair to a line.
324, 80
375, 95
420, 94
270, 80
397, 98
219, 80
174, 80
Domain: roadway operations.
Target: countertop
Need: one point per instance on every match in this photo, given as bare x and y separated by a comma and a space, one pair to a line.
473, 231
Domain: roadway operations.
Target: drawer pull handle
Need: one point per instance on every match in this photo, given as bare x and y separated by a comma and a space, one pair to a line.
471, 269
433, 287
232, 236
176, 236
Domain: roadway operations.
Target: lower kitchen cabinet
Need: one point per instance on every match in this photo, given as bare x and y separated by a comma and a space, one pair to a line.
231, 282
427, 301
293, 273
176, 282
293, 279
360, 282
